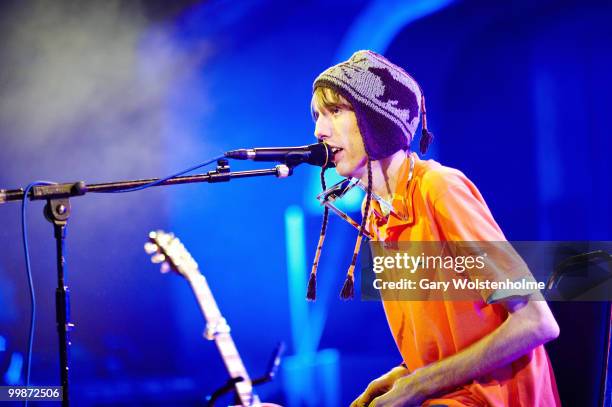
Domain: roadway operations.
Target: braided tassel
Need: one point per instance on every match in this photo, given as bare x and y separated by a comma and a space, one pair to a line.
311, 293
426, 136
348, 289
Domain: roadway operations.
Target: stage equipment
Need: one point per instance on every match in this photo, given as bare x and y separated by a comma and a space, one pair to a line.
57, 211
168, 250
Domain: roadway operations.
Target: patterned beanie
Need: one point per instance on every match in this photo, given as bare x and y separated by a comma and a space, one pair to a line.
388, 104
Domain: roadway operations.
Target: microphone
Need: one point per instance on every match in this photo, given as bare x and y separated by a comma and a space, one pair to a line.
319, 154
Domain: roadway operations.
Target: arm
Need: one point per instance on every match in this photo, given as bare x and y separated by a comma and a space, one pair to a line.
529, 324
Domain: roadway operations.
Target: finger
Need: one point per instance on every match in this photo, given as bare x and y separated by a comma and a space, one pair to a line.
381, 401
358, 403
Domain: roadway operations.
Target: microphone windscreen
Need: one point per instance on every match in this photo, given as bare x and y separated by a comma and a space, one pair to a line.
320, 155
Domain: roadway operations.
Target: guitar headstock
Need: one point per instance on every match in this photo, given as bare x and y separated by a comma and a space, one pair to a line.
167, 249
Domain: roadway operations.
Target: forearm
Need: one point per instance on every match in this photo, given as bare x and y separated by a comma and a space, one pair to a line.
523, 330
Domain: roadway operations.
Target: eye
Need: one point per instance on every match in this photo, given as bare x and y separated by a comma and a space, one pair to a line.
335, 110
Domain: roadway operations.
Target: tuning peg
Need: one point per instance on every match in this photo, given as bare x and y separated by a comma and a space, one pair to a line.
150, 248
165, 267
152, 234
158, 258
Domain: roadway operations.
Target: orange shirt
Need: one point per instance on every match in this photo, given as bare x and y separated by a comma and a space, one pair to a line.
441, 204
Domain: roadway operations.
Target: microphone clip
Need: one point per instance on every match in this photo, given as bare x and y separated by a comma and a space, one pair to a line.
222, 173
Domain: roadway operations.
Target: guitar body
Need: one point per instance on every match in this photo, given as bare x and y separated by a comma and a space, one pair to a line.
166, 249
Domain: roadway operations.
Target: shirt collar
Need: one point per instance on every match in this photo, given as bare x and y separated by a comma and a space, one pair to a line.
399, 204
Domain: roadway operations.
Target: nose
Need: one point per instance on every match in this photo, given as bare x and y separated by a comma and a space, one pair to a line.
322, 128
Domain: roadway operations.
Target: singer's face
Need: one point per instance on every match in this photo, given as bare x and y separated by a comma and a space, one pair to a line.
336, 124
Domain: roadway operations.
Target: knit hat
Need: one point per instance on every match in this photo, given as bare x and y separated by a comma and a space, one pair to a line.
387, 103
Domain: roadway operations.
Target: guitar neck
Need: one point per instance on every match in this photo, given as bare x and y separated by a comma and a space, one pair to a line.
218, 329
205, 298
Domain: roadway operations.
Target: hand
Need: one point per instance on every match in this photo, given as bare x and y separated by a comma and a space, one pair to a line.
405, 392
379, 386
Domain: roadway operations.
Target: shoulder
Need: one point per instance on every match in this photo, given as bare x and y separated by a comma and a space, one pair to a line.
454, 201
435, 180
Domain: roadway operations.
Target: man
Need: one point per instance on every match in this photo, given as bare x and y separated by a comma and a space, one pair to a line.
455, 353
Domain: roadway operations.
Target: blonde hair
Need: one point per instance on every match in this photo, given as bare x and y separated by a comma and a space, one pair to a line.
327, 98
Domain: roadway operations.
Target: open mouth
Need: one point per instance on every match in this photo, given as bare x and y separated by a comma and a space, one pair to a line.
335, 150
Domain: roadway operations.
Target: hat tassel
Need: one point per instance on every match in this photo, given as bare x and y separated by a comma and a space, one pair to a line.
311, 292
426, 136
348, 289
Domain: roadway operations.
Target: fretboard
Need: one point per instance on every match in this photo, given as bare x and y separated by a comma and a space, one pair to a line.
223, 340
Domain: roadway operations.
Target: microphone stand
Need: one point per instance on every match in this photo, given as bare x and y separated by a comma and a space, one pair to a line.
57, 211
